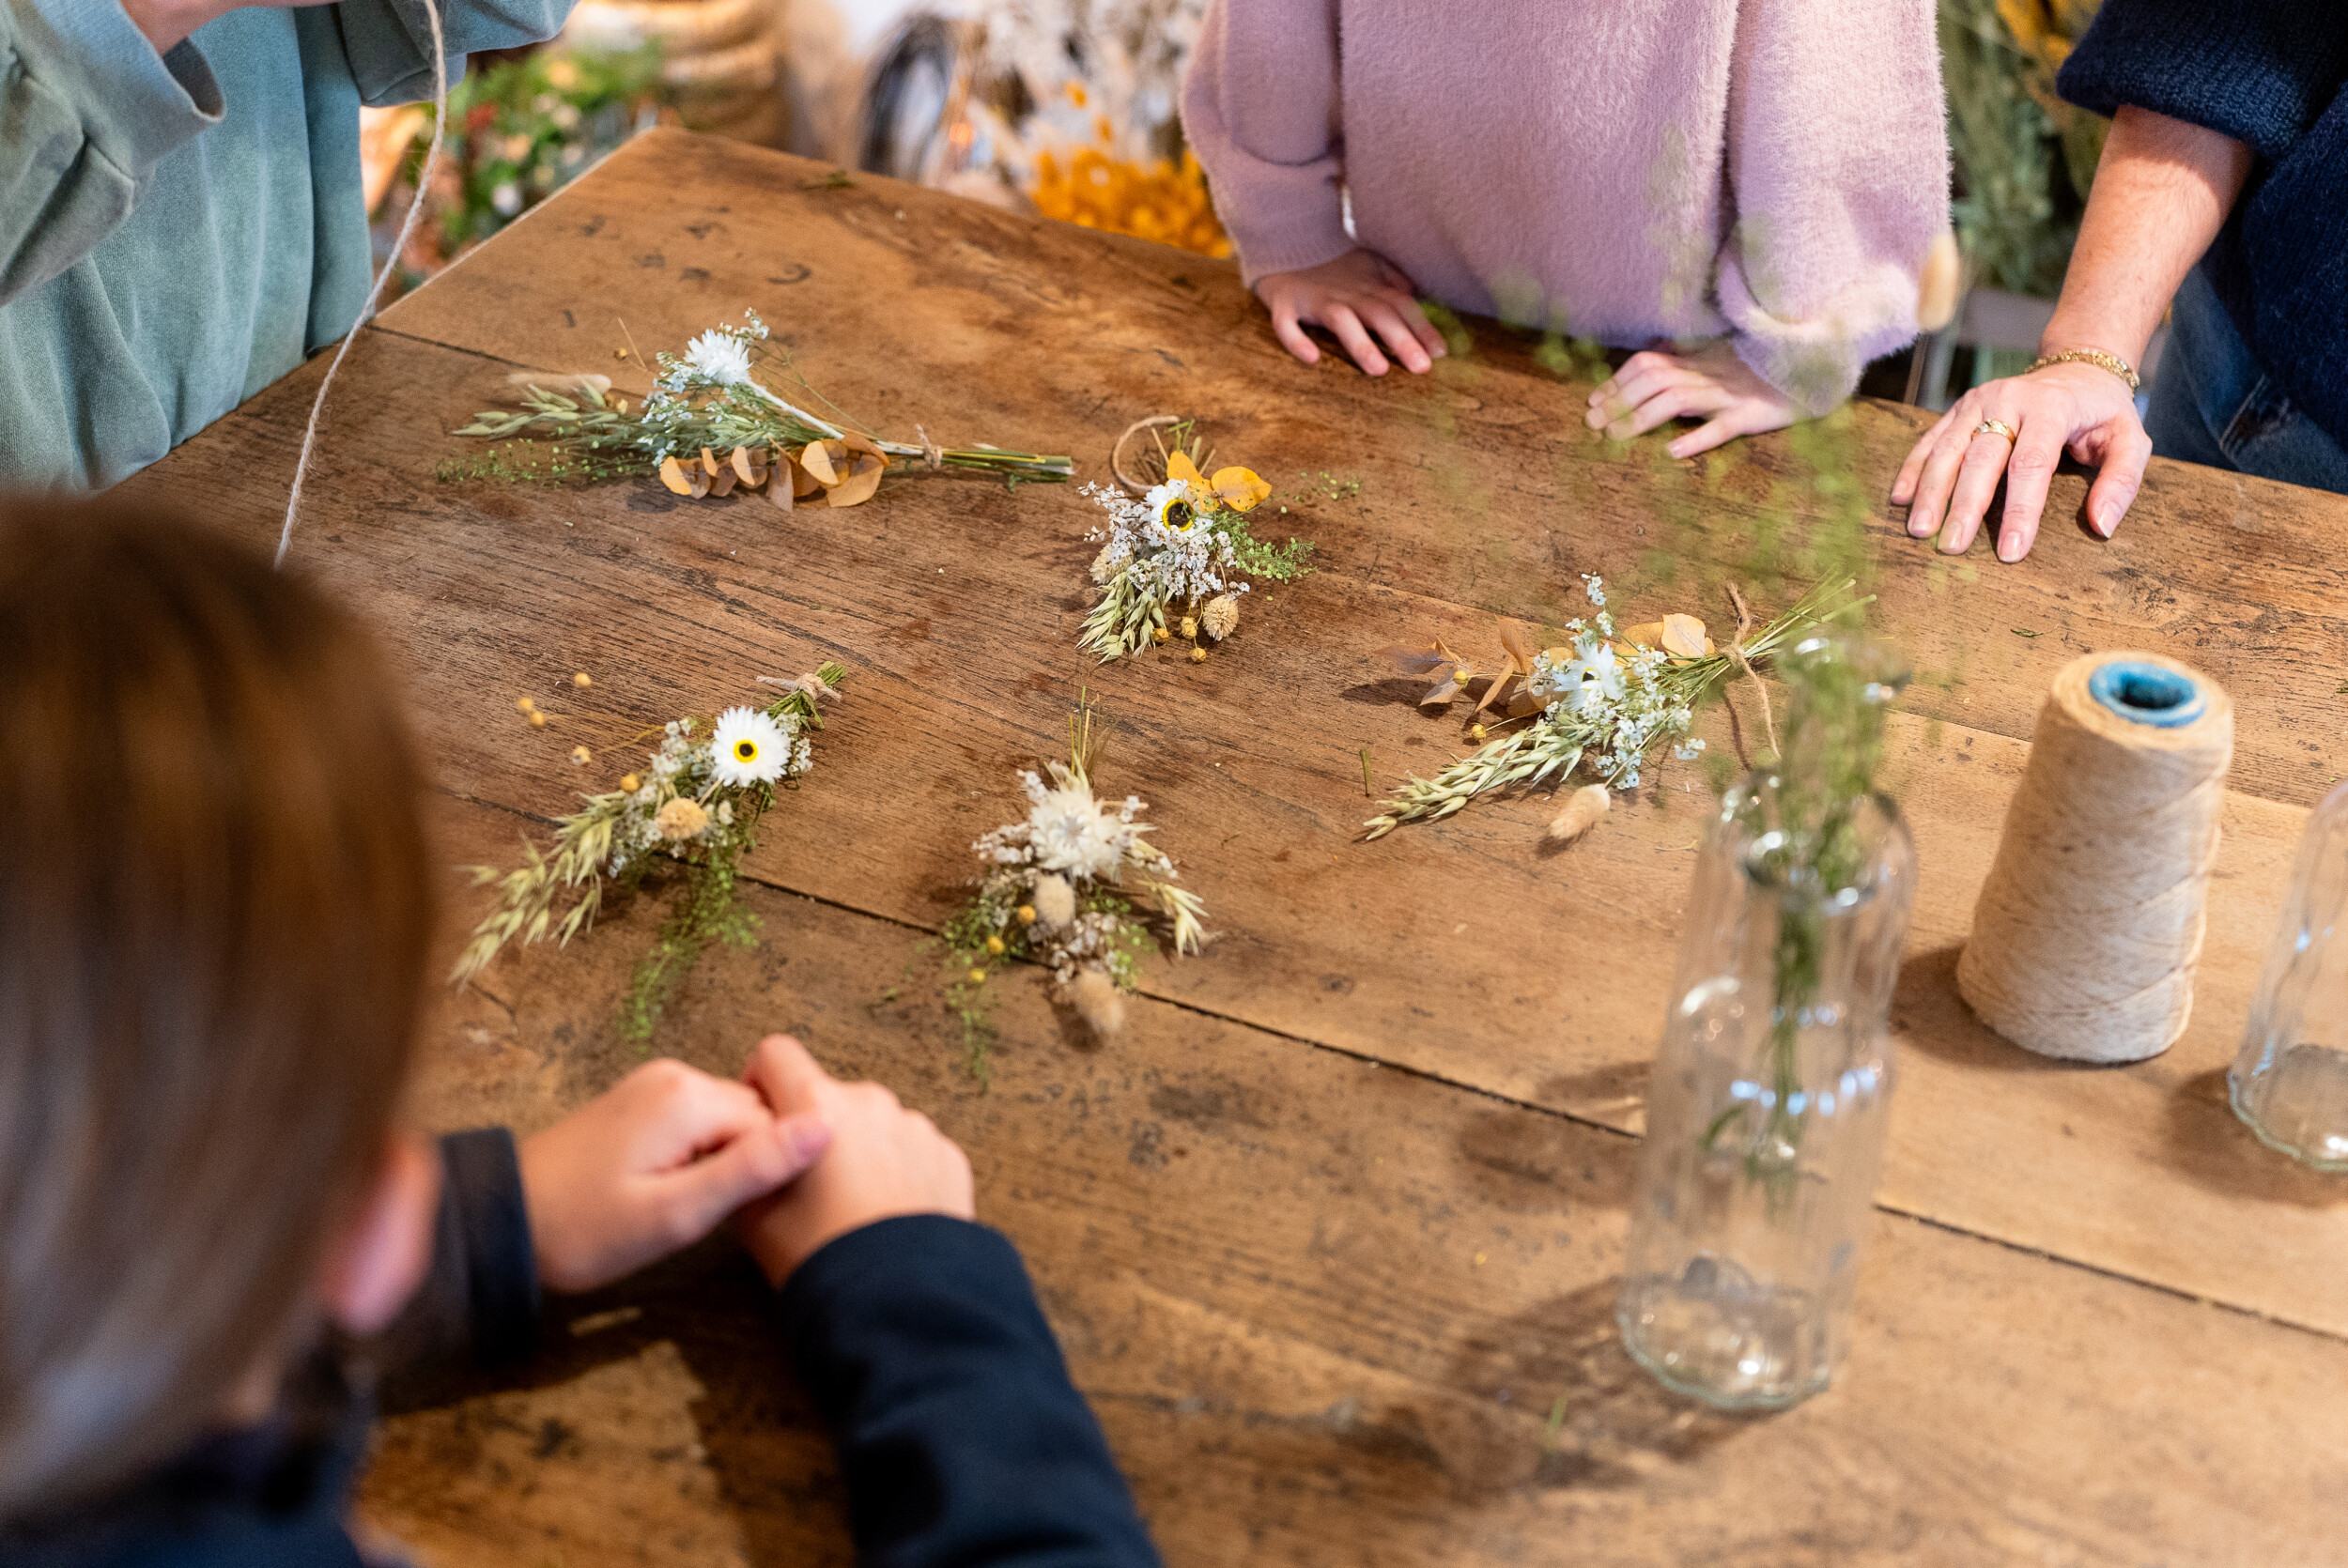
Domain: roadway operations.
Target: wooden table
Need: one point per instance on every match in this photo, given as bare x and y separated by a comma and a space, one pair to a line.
1331, 1235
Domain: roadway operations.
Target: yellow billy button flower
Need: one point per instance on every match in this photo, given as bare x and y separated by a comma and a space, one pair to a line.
1026, 915
978, 977
995, 946
629, 783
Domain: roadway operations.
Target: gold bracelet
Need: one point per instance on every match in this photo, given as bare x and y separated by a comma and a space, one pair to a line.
2096, 357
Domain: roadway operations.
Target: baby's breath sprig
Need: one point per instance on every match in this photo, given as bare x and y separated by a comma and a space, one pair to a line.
696, 805
1065, 888
1599, 704
1179, 557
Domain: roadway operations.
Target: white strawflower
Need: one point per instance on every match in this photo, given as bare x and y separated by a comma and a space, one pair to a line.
748, 748
720, 357
1072, 831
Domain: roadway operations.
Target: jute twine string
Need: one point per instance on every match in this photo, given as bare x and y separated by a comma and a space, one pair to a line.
375, 295
2087, 932
1737, 651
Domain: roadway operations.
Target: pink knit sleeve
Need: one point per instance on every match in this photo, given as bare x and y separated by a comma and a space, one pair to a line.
1261, 109
1839, 161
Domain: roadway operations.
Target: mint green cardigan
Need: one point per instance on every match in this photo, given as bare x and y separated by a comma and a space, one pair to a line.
176, 232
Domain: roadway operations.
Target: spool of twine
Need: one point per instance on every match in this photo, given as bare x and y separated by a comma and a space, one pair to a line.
2087, 932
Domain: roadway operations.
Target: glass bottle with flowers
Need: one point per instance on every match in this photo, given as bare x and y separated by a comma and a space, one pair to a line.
1766, 1110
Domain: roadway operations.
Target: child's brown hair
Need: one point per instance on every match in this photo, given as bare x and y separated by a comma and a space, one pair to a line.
215, 905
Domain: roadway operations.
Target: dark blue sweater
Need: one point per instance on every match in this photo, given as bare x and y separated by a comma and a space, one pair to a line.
961, 1442
2269, 73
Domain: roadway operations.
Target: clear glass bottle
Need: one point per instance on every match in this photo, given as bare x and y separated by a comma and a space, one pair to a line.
1766, 1110
2290, 1080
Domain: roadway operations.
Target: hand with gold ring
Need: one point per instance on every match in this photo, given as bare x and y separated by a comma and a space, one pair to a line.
2016, 429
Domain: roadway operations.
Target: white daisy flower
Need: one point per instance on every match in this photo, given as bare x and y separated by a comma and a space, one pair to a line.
720, 356
1170, 504
1593, 676
748, 748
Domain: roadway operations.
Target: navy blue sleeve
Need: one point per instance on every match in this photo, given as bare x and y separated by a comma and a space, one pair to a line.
962, 1440
2261, 71
481, 1298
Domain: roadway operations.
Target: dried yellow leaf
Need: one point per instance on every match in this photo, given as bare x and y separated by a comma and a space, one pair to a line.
1239, 488
747, 467
709, 462
672, 476
1179, 467
1683, 637
816, 458
723, 482
861, 481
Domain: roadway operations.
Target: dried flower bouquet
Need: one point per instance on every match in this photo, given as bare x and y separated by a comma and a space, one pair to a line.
710, 426
1599, 704
1062, 889
697, 804
1181, 552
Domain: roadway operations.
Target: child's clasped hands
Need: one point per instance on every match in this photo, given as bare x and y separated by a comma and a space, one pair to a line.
670, 1153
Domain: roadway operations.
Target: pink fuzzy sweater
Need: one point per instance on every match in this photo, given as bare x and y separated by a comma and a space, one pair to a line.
1624, 170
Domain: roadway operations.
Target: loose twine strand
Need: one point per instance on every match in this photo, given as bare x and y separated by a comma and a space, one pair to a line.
375, 295
2090, 925
1737, 651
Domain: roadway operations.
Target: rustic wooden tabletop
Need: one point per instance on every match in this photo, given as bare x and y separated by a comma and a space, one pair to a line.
1331, 1233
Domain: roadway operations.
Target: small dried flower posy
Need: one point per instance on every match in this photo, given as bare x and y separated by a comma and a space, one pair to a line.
697, 806
1598, 704
1060, 890
710, 426
1185, 543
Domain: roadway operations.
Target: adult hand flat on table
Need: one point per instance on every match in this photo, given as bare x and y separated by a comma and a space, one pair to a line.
1455, 949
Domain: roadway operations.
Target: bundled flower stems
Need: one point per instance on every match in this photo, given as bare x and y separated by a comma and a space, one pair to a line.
710, 426
695, 806
1599, 705
1179, 556
1062, 889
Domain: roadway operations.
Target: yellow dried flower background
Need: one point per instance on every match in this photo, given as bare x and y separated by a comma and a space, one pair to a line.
1162, 201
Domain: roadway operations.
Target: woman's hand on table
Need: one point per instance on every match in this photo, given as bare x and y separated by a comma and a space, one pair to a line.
885, 1160
654, 1165
1949, 479
1711, 384
1357, 296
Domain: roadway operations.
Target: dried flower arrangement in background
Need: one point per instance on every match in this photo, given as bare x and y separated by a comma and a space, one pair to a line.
1598, 704
1179, 554
697, 804
1060, 890
709, 426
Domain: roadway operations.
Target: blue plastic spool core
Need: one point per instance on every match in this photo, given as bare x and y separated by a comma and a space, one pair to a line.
2147, 693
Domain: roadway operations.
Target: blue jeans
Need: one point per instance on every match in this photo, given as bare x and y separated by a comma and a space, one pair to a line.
2212, 404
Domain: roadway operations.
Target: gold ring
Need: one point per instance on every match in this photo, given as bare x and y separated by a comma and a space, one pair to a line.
1993, 427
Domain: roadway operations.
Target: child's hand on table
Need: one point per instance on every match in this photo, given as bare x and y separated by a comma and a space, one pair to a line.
652, 1165
1353, 297
883, 1161
1652, 387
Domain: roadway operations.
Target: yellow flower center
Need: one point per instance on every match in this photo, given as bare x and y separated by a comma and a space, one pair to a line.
745, 750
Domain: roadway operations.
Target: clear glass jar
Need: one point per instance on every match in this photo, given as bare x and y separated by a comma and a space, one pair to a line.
2290, 1080
1766, 1110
